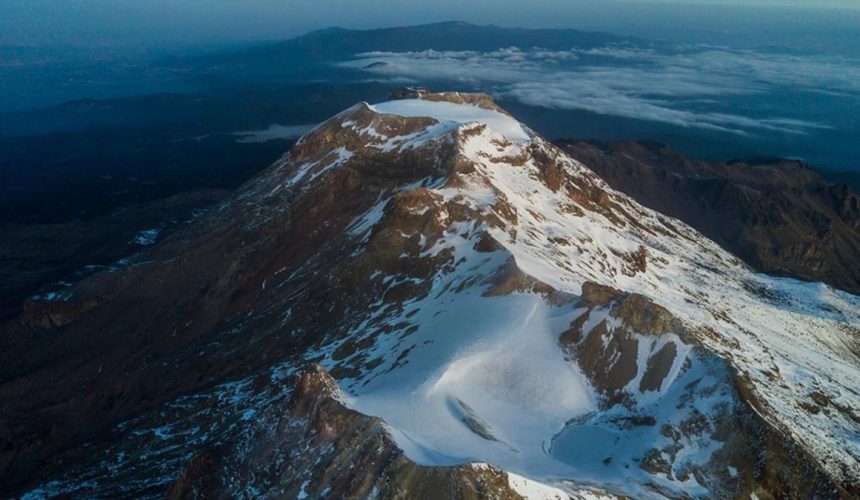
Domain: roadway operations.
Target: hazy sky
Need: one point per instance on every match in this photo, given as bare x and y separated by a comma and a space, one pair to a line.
200, 22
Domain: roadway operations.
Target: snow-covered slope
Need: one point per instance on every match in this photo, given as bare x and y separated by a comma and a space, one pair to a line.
449, 113
482, 378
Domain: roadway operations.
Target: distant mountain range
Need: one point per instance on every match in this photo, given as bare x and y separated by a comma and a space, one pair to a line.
334, 44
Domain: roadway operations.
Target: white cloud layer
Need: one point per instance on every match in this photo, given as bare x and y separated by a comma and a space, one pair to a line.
683, 87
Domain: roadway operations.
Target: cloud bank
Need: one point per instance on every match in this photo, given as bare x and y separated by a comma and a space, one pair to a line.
683, 86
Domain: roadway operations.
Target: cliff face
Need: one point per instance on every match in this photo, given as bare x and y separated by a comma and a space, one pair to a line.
779, 216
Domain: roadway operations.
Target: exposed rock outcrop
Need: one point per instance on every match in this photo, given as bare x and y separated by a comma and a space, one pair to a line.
752, 457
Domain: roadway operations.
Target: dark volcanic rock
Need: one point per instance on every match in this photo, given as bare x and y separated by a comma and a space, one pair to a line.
35, 256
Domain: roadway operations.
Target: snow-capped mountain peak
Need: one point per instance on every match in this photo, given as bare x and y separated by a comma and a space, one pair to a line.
485, 365
490, 301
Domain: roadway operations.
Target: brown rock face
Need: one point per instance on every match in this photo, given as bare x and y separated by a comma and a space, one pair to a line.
644, 316
658, 368
610, 364
780, 217
597, 294
317, 447
609, 355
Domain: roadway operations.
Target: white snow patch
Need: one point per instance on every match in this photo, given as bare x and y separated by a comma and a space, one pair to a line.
455, 113
533, 490
479, 390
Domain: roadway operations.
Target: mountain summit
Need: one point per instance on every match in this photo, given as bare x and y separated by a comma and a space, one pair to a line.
485, 315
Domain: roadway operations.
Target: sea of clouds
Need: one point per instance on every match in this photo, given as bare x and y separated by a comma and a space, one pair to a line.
686, 85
